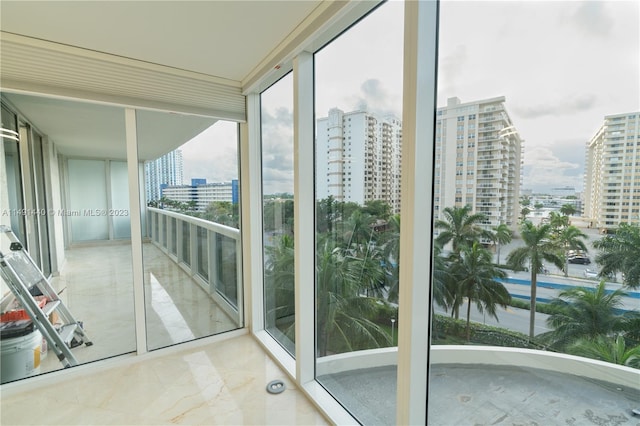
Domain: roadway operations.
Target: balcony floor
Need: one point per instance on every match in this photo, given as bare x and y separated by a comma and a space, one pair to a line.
490, 395
96, 283
220, 383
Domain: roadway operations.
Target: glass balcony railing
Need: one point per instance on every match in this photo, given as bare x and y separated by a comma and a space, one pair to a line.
208, 251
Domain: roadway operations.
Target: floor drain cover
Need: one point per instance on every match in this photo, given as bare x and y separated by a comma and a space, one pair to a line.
276, 386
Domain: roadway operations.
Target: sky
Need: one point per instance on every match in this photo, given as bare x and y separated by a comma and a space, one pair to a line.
561, 65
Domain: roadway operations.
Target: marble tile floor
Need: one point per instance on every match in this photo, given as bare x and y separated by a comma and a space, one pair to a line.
222, 383
96, 285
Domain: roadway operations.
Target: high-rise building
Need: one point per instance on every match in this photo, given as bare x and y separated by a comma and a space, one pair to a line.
612, 172
203, 193
164, 171
359, 157
478, 160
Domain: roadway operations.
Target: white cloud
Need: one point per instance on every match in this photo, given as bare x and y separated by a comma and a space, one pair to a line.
544, 170
568, 105
213, 154
277, 151
375, 97
593, 18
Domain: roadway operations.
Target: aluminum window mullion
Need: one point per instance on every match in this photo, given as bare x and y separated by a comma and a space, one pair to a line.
304, 212
251, 193
136, 231
418, 124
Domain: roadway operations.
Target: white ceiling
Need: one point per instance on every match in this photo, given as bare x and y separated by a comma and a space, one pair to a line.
224, 39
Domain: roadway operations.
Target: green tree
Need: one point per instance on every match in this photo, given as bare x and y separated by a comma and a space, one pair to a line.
524, 213
378, 209
391, 257
584, 313
222, 212
460, 228
279, 279
620, 252
501, 235
538, 248
570, 238
568, 209
476, 276
343, 314
356, 231
558, 221
608, 349
440, 276
327, 214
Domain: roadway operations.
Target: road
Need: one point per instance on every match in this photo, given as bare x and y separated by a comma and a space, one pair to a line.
545, 291
556, 276
513, 319
516, 319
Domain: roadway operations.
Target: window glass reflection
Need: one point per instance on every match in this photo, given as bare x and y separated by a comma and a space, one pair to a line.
525, 240
277, 189
77, 182
193, 282
358, 172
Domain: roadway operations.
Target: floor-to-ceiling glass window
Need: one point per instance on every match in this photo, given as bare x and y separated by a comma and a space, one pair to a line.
277, 188
72, 161
88, 194
12, 200
192, 253
358, 106
41, 204
528, 262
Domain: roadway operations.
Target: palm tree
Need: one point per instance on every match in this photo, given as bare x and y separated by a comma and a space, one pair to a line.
279, 277
440, 275
568, 209
570, 238
476, 276
501, 235
391, 256
538, 248
343, 314
609, 350
584, 313
460, 228
620, 252
356, 231
558, 221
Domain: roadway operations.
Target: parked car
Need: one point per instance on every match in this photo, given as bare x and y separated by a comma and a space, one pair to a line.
588, 273
580, 260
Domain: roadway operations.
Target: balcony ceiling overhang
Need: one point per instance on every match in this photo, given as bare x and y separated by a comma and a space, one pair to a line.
82, 129
223, 39
192, 57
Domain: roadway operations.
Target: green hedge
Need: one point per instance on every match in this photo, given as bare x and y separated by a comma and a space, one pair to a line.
543, 308
481, 334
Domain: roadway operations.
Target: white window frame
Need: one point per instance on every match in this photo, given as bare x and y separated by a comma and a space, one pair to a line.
419, 108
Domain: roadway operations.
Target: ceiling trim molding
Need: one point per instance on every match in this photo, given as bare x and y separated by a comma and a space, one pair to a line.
50, 69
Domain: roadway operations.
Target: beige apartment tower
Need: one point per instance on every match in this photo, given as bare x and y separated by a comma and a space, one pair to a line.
358, 157
612, 173
478, 156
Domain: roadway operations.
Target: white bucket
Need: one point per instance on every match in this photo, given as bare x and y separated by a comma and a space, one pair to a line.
20, 356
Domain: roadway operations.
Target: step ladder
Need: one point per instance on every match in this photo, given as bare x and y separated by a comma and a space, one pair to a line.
25, 279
